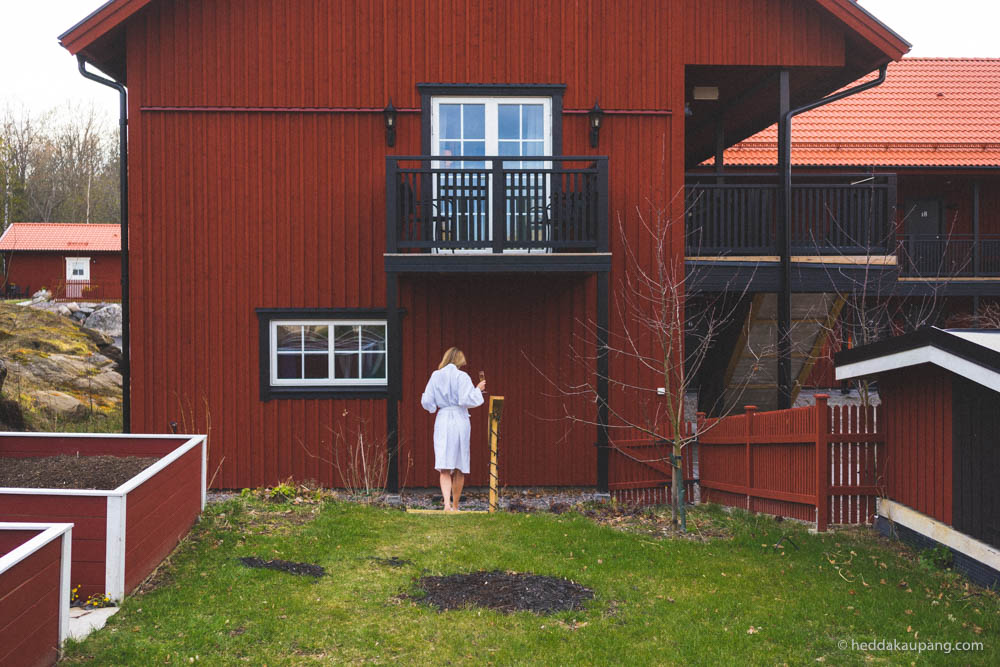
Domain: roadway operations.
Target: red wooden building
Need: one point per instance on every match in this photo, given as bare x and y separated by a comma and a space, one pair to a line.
73, 261
941, 412
918, 157
314, 214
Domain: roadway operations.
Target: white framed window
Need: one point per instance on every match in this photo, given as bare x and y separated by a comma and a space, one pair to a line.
328, 353
77, 268
498, 125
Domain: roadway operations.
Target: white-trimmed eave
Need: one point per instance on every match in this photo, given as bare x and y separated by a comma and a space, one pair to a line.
927, 354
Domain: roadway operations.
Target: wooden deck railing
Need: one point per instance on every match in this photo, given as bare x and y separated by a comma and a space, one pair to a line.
736, 214
814, 463
494, 204
955, 256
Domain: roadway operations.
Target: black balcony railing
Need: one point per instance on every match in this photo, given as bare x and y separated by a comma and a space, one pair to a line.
954, 256
494, 204
736, 214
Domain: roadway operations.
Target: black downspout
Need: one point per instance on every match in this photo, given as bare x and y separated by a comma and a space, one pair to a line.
126, 364
784, 230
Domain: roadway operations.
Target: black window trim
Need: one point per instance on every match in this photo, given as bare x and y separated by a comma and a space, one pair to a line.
269, 392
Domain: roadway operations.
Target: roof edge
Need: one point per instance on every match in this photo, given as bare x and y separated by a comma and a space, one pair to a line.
868, 26
924, 337
99, 23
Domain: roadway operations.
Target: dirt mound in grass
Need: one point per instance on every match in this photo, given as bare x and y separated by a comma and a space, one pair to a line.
307, 569
71, 472
504, 591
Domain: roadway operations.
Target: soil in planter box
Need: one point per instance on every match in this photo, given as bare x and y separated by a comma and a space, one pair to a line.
71, 472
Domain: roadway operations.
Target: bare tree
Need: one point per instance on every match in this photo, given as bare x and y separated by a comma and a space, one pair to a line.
60, 166
875, 302
662, 332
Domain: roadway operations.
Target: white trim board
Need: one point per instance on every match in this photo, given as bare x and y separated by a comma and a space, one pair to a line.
48, 533
928, 354
939, 532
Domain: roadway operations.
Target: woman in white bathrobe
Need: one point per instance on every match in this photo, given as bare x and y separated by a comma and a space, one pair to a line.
450, 393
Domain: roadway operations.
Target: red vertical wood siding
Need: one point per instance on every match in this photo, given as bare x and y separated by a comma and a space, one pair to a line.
234, 210
35, 270
736, 32
917, 404
29, 598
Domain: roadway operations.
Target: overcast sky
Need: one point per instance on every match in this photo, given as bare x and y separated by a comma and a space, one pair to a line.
39, 74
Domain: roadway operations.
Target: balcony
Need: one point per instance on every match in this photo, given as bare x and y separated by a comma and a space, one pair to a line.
832, 214
949, 257
489, 213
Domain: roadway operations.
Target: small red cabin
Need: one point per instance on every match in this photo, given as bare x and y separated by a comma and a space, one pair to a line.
73, 261
940, 393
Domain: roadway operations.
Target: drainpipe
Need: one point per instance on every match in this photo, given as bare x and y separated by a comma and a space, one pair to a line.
123, 196
784, 221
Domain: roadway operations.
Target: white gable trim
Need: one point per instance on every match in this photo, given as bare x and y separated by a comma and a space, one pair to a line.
927, 354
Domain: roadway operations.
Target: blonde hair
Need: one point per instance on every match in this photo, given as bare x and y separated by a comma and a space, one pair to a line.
452, 355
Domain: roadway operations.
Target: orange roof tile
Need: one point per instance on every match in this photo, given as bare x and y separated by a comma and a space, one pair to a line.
61, 236
930, 112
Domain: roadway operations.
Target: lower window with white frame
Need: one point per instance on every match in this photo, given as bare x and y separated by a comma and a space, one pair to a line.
311, 353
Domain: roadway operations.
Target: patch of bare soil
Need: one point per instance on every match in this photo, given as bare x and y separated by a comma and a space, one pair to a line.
71, 472
653, 522
305, 569
263, 522
504, 591
394, 561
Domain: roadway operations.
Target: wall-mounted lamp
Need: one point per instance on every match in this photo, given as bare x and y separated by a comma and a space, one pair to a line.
389, 114
596, 116
710, 93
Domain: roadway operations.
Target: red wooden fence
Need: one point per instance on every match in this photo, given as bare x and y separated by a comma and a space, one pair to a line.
639, 471
815, 463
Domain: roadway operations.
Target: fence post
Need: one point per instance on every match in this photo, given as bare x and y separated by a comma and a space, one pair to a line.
822, 462
750, 409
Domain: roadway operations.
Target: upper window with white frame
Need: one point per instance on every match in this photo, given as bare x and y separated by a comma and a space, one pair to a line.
322, 353
470, 126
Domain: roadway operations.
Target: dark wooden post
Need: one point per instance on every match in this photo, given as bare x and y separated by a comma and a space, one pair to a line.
499, 210
391, 204
395, 380
603, 298
975, 228
822, 462
748, 460
784, 343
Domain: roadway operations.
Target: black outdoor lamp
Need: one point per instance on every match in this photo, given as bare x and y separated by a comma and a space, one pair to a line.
389, 114
596, 115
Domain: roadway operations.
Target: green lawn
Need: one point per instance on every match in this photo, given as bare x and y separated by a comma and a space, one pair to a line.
677, 601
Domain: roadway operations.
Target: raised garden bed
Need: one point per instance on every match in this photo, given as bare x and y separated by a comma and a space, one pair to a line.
34, 591
120, 535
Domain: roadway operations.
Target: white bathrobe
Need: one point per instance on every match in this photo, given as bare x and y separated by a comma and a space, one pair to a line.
450, 393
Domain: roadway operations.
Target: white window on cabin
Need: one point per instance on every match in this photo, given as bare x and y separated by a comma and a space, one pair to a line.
77, 268
328, 353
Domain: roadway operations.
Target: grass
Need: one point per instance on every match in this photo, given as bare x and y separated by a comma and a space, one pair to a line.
734, 600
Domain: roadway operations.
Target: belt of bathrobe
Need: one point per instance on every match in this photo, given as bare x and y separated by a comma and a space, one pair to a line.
454, 409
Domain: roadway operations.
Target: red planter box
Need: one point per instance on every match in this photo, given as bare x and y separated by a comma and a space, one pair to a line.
119, 535
34, 591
